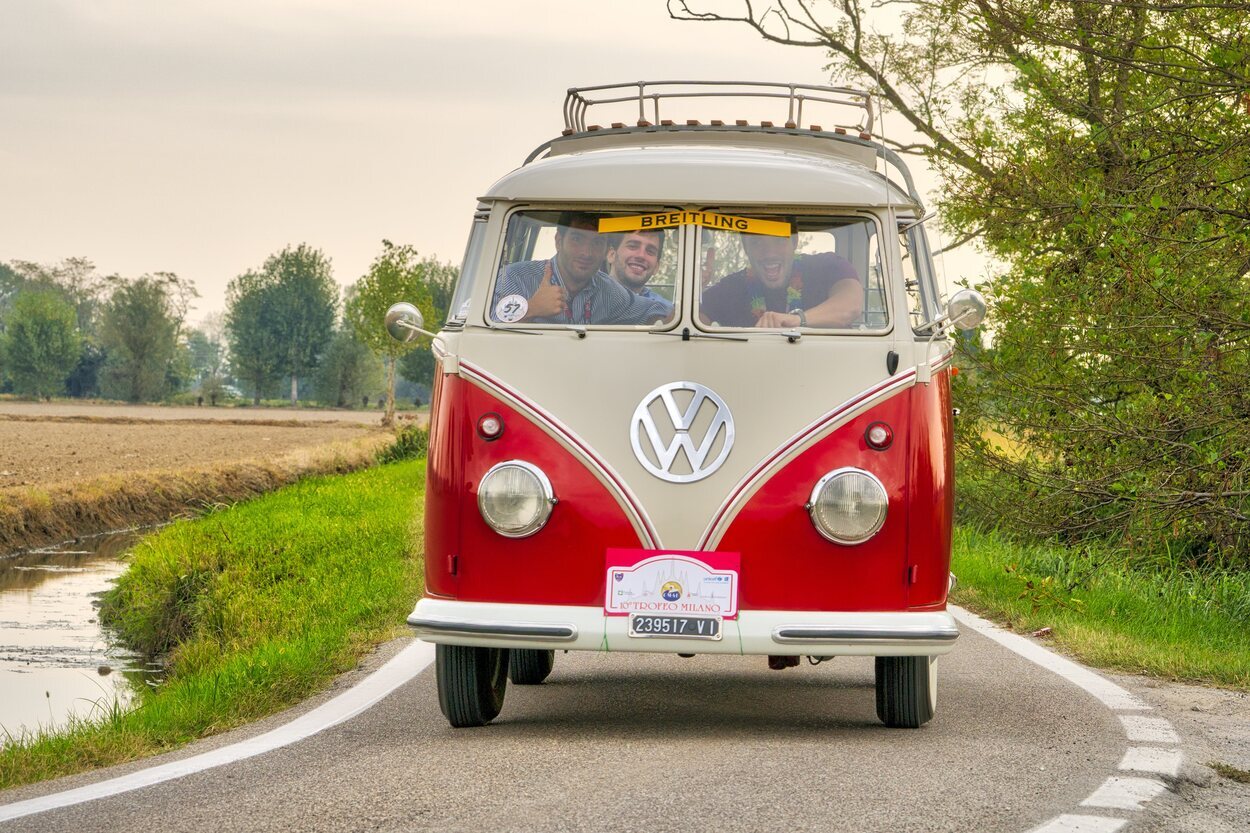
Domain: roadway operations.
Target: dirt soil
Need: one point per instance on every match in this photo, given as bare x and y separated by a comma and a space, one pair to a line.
36, 452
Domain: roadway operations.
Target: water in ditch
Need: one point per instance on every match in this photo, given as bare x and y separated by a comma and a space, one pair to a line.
56, 662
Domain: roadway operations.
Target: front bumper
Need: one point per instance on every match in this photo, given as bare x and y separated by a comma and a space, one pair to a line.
815, 633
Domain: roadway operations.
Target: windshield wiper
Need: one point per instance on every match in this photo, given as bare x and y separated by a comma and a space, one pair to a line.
506, 329
686, 334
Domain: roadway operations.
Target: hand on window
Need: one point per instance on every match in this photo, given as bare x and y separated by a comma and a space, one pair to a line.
777, 320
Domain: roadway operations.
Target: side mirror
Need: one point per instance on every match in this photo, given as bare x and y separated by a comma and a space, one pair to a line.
404, 322
966, 309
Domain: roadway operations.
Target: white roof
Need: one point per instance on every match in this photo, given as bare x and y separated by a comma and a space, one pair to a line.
702, 169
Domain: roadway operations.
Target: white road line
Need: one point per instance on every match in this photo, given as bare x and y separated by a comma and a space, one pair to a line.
1111, 695
1117, 792
1152, 759
1142, 729
1123, 793
401, 668
1081, 824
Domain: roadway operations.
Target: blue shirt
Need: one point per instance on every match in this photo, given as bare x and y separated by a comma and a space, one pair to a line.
601, 301
651, 295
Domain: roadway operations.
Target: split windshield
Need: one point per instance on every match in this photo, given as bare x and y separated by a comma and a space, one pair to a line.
628, 269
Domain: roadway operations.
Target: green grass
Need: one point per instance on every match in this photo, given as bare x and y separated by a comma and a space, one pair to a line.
1230, 772
253, 608
1165, 621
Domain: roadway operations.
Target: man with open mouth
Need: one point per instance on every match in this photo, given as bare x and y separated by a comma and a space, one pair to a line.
782, 290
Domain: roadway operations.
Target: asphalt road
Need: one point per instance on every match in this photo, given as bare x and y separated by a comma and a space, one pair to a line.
660, 743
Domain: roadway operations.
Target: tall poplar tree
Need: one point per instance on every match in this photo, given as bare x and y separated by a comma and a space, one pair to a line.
397, 274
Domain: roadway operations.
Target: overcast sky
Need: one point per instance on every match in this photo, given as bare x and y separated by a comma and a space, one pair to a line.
200, 137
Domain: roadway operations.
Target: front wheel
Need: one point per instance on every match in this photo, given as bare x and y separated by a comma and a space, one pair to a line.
530, 666
471, 683
906, 691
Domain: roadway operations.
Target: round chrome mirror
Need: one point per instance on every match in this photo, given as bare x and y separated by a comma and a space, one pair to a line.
966, 309
404, 321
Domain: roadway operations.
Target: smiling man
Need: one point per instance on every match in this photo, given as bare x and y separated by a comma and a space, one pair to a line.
780, 289
634, 259
570, 288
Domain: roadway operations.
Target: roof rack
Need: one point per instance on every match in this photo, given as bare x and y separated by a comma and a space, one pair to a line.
854, 139
578, 101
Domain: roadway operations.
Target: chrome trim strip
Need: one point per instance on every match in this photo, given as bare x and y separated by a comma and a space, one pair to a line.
805, 633
503, 630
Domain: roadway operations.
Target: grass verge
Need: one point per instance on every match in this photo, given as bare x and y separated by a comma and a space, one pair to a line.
1173, 623
253, 608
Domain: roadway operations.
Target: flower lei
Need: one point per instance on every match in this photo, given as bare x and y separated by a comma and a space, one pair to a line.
794, 291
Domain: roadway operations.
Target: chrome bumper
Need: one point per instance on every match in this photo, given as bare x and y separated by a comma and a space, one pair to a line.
906, 633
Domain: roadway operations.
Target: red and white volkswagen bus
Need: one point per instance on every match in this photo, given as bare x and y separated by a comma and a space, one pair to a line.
693, 397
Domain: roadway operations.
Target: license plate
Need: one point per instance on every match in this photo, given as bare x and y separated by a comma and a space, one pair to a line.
686, 627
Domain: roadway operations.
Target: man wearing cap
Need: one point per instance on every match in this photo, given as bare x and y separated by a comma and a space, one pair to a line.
570, 288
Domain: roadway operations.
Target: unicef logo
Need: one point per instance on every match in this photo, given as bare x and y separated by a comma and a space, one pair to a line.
671, 591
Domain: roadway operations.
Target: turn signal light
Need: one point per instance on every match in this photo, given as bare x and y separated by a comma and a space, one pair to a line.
879, 436
490, 426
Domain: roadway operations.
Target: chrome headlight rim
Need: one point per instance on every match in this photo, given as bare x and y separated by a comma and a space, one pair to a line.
548, 498
820, 485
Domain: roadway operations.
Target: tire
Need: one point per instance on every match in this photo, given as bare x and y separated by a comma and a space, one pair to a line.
530, 666
906, 691
471, 683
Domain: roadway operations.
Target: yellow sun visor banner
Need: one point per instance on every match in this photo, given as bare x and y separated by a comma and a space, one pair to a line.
649, 222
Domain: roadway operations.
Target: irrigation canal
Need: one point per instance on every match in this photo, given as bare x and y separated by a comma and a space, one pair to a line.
55, 660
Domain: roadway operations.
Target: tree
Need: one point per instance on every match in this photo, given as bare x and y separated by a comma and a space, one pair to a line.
397, 274
139, 328
252, 332
1101, 152
304, 298
75, 281
207, 356
40, 343
418, 365
349, 371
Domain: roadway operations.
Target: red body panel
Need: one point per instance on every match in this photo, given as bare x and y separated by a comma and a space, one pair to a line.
560, 565
786, 564
932, 475
443, 489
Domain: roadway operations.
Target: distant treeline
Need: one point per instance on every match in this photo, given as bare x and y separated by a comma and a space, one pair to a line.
66, 330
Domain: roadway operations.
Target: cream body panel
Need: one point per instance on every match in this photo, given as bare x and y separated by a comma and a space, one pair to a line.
593, 385
698, 176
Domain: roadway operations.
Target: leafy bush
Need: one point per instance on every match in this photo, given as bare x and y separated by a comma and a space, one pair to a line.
411, 441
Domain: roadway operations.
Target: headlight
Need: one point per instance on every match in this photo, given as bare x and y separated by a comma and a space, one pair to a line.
515, 498
848, 506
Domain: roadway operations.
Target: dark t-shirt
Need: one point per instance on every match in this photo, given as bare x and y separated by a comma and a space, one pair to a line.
737, 300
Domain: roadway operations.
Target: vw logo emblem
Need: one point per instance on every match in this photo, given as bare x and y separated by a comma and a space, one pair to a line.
671, 451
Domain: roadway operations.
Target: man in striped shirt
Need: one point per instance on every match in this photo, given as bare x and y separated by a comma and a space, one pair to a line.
570, 288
